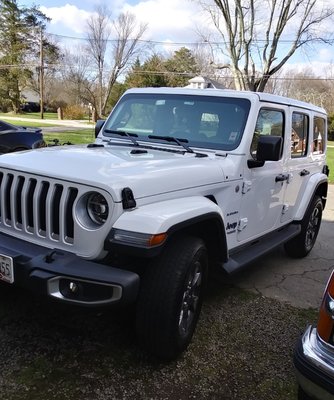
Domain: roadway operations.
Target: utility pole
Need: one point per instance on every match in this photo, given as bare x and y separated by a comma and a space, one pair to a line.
41, 74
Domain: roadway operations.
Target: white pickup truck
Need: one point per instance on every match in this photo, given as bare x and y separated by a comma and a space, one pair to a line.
178, 182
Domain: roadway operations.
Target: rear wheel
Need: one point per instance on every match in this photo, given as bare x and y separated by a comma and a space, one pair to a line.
302, 244
171, 296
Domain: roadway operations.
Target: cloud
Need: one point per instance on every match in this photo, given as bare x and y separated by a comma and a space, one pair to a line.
167, 20
325, 54
171, 21
67, 17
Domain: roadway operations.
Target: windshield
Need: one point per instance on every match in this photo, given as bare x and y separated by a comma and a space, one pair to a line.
204, 121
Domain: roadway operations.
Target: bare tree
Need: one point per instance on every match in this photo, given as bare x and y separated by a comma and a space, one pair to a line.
125, 49
305, 85
79, 77
98, 33
114, 46
260, 36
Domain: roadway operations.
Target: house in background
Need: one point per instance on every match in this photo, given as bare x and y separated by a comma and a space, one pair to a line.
202, 82
30, 101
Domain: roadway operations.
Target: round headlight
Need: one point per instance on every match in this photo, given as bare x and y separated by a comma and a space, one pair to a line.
97, 208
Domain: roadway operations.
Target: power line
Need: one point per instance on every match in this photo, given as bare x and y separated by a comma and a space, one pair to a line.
162, 73
190, 43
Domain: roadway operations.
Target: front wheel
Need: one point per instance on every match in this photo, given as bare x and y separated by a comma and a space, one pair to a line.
171, 297
303, 395
303, 243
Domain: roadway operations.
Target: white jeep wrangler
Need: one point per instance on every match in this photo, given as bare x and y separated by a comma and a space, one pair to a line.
179, 181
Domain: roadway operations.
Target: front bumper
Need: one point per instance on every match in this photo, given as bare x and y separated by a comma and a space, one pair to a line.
314, 362
67, 277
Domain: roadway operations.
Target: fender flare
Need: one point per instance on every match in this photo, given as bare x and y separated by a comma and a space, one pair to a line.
172, 217
311, 189
160, 217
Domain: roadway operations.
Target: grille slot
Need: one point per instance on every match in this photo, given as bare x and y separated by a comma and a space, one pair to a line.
37, 207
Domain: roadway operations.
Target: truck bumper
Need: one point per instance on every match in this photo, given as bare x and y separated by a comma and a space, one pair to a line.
314, 363
67, 277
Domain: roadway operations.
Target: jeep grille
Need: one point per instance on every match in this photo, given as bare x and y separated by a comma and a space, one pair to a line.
37, 206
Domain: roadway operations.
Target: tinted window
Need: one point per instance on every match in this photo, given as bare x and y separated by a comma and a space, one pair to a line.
319, 129
269, 122
208, 122
299, 134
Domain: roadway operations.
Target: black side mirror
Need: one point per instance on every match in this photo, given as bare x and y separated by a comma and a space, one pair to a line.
269, 148
98, 126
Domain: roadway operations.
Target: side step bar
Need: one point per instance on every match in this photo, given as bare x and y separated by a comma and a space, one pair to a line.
260, 247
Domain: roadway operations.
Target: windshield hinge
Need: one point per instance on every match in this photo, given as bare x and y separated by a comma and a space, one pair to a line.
242, 224
128, 199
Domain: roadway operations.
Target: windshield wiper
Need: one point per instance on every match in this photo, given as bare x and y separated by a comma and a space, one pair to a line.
131, 136
179, 141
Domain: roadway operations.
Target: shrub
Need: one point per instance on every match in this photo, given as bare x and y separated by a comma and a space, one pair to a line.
5, 105
53, 105
74, 112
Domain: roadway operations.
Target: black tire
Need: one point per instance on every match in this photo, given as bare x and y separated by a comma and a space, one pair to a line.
302, 244
171, 297
302, 395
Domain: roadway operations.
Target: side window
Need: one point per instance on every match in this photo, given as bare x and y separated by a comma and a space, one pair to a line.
299, 134
319, 129
269, 122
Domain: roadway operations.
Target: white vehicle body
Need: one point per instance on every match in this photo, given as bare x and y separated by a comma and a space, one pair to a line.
241, 177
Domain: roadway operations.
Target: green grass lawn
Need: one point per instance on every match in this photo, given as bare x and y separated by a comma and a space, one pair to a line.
35, 115
74, 136
27, 123
80, 136
32, 115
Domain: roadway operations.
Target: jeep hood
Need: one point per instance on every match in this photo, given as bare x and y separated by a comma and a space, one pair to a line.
147, 172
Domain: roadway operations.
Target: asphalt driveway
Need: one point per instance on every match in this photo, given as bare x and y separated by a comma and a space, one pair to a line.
299, 282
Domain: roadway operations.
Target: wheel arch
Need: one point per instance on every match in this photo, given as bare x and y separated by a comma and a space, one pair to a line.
317, 186
321, 191
193, 216
208, 227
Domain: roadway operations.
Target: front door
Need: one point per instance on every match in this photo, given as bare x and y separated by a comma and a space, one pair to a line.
263, 187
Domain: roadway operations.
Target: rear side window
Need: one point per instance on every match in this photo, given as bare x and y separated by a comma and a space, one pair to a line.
269, 122
299, 134
319, 129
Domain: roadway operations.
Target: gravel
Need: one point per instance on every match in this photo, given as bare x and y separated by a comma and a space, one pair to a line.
242, 349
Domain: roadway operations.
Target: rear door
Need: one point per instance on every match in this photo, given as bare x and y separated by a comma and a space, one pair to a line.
308, 141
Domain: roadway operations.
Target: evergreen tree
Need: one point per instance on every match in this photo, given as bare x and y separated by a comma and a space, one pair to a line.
151, 73
157, 71
182, 66
20, 29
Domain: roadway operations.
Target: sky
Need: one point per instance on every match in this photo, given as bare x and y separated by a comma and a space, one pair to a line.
173, 22
168, 20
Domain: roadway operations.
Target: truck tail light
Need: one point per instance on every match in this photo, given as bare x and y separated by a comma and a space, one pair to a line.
325, 325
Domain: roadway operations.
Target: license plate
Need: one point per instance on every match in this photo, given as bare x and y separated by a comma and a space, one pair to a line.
6, 269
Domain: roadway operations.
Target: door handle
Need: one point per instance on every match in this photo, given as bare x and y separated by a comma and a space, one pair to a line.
282, 178
304, 172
